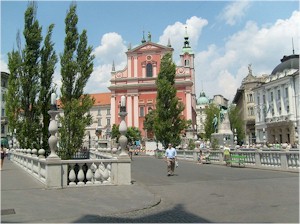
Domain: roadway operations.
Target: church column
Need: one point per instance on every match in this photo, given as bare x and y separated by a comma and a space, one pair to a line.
136, 110
188, 105
113, 109
129, 107
135, 67
129, 66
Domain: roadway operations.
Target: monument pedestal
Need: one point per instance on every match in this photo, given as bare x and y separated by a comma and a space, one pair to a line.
224, 135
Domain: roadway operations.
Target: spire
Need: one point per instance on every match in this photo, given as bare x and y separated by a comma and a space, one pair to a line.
113, 67
143, 40
293, 46
186, 44
169, 43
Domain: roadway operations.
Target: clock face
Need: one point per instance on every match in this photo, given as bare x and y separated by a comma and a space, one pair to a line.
180, 70
149, 57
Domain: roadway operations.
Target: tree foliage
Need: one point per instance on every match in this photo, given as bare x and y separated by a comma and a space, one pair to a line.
133, 134
48, 62
210, 111
29, 69
76, 68
168, 122
236, 122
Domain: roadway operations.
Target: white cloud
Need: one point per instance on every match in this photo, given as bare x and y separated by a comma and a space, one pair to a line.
3, 65
221, 69
234, 12
112, 48
176, 33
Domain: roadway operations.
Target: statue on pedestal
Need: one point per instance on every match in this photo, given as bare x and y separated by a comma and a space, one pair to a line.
215, 123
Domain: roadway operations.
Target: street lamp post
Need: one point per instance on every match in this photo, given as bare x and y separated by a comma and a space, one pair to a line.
123, 127
53, 127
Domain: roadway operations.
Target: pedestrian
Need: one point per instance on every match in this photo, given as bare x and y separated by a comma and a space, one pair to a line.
3, 151
170, 158
227, 155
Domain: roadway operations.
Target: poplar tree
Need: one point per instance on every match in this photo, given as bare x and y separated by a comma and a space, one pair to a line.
30, 72
48, 62
168, 122
76, 68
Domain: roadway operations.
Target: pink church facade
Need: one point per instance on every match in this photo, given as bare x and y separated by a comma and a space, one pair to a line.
137, 83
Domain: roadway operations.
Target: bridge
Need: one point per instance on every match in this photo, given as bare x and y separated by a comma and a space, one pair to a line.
200, 193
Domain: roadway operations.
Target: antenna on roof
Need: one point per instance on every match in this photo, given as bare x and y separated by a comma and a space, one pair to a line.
293, 46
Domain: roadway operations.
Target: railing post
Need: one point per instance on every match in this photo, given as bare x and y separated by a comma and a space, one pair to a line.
284, 160
257, 159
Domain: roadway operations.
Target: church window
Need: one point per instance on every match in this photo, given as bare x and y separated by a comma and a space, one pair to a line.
149, 70
142, 112
186, 62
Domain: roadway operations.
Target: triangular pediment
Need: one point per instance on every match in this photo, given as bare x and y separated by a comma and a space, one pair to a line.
149, 46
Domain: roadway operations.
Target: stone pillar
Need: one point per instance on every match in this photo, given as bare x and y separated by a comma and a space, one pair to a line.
53, 161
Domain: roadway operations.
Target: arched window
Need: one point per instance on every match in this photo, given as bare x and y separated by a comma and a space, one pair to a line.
149, 70
186, 62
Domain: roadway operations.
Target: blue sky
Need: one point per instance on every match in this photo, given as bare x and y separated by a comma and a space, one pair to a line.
226, 36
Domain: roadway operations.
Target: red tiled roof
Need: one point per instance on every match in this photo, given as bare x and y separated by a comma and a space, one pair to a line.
101, 98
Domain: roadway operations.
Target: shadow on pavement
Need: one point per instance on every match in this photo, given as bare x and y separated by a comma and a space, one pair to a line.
175, 215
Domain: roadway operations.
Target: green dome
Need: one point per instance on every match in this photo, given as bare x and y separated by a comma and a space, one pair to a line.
202, 100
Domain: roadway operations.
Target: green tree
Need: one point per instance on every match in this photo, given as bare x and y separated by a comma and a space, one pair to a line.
168, 122
30, 72
210, 112
13, 95
76, 68
236, 122
48, 62
133, 134
149, 122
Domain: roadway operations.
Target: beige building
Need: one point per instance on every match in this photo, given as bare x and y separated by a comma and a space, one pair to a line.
244, 100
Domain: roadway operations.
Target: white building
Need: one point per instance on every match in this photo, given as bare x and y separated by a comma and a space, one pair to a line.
277, 104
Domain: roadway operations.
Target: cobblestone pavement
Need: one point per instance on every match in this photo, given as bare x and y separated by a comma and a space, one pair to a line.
210, 193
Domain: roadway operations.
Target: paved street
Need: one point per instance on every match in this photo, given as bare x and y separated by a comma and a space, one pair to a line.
195, 194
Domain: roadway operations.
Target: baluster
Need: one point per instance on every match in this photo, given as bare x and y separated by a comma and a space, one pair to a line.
292, 158
72, 176
289, 160
89, 175
97, 176
80, 175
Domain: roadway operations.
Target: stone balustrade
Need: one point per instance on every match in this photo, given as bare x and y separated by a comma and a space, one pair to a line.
100, 169
276, 159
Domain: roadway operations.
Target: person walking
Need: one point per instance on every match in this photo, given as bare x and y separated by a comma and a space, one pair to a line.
170, 158
3, 151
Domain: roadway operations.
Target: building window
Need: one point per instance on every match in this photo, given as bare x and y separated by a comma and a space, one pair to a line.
279, 110
108, 112
99, 122
186, 62
250, 98
149, 70
271, 96
142, 112
108, 121
250, 111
